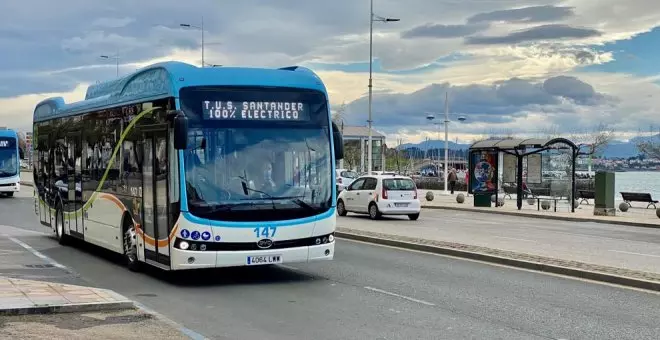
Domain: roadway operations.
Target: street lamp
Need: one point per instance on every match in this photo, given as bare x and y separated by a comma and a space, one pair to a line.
116, 58
201, 28
446, 124
372, 18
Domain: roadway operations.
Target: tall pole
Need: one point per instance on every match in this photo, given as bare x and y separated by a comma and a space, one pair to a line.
371, 40
203, 41
116, 57
446, 137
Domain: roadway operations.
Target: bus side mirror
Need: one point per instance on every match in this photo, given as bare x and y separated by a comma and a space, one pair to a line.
338, 141
180, 124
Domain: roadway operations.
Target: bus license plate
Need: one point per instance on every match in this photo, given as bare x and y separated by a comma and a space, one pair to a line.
400, 205
268, 259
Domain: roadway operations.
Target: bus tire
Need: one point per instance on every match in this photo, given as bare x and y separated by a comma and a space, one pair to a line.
129, 242
62, 237
10, 194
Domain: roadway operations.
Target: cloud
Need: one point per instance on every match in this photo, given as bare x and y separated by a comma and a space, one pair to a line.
112, 22
503, 102
524, 15
493, 56
442, 31
538, 33
573, 88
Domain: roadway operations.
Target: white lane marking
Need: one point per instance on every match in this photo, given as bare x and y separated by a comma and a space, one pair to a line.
38, 254
631, 253
513, 238
399, 296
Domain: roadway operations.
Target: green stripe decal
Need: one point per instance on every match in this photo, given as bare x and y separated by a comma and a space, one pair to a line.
111, 162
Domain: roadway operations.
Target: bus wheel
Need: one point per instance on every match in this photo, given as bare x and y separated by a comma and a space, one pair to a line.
59, 226
130, 247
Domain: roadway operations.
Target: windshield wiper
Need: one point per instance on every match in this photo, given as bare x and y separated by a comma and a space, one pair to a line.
294, 199
226, 207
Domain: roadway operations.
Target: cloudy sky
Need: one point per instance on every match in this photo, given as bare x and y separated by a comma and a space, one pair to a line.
523, 66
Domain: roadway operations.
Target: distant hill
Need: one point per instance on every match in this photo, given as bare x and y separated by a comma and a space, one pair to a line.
619, 149
616, 149
434, 144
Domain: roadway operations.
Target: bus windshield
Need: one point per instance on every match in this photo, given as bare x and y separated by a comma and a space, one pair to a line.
270, 161
8, 157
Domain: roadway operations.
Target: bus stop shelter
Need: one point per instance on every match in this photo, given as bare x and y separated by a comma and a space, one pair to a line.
520, 148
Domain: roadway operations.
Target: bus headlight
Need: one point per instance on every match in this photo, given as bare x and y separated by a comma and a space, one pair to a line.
331, 238
183, 245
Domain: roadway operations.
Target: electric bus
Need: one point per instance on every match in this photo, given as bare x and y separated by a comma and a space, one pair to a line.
185, 167
10, 169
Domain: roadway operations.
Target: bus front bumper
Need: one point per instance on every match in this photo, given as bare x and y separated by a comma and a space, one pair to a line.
189, 259
10, 187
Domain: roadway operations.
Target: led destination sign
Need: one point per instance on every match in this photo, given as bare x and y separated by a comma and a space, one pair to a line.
253, 110
7, 143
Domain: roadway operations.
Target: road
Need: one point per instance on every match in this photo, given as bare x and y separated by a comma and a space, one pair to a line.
368, 292
612, 245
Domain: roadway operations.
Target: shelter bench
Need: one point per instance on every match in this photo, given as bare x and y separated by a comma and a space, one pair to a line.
510, 189
643, 197
586, 195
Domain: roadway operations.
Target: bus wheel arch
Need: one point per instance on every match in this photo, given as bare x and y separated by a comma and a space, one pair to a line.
129, 242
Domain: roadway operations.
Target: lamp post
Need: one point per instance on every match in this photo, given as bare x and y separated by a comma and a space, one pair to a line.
116, 58
372, 18
201, 28
446, 124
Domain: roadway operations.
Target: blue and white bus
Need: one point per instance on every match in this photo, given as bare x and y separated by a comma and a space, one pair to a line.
182, 167
10, 166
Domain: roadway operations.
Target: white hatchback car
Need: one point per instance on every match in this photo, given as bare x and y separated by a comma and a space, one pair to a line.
379, 195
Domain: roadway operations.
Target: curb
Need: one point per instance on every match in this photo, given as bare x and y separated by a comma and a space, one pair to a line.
27, 184
547, 217
82, 307
567, 271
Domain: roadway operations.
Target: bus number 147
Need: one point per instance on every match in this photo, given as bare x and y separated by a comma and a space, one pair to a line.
267, 232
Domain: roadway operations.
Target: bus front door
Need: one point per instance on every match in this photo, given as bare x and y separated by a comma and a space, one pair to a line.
155, 199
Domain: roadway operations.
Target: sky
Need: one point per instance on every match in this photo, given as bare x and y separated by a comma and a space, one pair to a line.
523, 67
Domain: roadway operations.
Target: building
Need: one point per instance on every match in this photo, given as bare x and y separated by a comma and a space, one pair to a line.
356, 138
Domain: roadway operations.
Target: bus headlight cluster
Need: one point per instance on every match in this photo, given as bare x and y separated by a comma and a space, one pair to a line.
190, 245
325, 239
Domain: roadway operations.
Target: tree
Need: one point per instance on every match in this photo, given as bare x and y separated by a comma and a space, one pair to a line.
339, 115
21, 146
650, 147
593, 142
352, 154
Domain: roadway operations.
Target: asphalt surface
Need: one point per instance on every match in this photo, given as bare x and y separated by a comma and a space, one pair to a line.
618, 246
367, 292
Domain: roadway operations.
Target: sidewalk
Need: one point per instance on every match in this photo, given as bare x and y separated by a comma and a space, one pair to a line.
129, 324
635, 216
41, 299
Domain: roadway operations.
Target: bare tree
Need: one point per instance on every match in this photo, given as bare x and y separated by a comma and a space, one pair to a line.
339, 115
651, 146
593, 142
549, 132
352, 154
